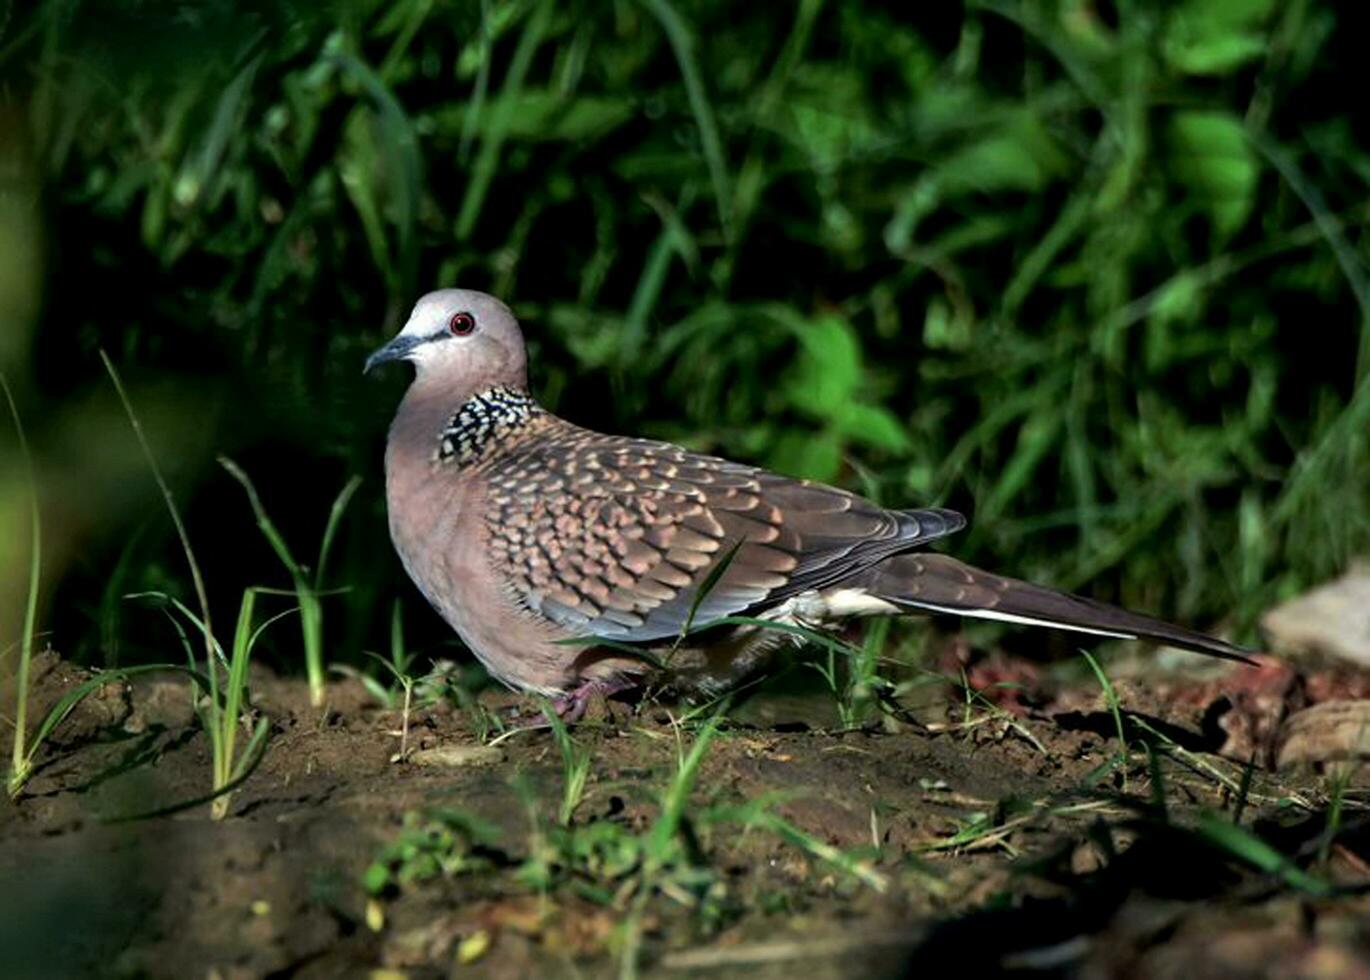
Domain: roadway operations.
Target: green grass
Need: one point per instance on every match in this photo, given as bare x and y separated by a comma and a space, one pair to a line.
637, 871
400, 668
1339, 781
602, 859
22, 756
1123, 757
1220, 832
222, 710
309, 588
1244, 846
662, 858
26, 745
407, 690
575, 765
439, 843
220, 698
219, 719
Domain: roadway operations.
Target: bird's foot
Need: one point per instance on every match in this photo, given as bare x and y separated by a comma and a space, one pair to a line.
572, 706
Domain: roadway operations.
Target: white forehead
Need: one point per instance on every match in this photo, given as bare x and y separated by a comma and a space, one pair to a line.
433, 310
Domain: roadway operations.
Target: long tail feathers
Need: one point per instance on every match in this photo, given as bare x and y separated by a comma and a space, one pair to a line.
937, 583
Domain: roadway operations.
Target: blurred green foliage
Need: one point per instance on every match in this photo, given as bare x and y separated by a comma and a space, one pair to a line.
1092, 272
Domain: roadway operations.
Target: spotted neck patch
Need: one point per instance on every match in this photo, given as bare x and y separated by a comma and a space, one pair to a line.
482, 419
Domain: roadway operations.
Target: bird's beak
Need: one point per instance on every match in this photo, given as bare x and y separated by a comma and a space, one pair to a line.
398, 349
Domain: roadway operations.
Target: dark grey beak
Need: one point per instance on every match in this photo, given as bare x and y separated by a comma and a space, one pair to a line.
397, 350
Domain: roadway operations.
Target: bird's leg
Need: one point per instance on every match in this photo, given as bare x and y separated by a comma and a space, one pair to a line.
571, 706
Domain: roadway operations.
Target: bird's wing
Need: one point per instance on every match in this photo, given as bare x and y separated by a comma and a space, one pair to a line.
616, 537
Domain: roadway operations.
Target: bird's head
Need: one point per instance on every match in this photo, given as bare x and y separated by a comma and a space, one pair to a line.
460, 338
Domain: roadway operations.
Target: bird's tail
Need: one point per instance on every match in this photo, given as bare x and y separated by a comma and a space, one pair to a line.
937, 583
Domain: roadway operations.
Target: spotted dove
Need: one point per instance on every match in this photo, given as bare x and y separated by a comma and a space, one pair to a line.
534, 538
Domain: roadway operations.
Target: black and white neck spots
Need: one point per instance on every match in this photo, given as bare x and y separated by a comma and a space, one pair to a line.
482, 419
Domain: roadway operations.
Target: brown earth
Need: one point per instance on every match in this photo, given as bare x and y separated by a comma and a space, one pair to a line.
1074, 870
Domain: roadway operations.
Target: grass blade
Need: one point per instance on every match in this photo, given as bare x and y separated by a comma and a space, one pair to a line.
487, 160
476, 104
264, 522
404, 164
306, 594
678, 794
185, 611
196, 577
682, 43
21, 759
212, 797
796, 837
575, 765
64, 706
330, 529
708, 585
1247, 847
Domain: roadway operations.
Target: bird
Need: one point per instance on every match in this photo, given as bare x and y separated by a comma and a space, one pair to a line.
576, 564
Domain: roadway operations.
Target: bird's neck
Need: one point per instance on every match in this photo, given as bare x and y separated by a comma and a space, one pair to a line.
485, 420
460, 426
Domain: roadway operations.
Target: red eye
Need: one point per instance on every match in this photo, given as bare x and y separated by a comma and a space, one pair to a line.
461, 324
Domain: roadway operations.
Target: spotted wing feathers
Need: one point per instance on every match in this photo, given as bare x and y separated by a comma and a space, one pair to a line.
615, 537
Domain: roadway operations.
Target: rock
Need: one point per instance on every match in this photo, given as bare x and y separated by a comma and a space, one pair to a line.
1333, 619
1334, 731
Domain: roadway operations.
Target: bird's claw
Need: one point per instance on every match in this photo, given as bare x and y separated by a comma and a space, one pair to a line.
572, 706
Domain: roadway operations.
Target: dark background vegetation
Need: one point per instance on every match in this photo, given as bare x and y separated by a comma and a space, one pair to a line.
1092, 272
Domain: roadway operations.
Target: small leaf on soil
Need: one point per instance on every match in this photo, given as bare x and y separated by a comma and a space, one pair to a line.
473, 947
375, 913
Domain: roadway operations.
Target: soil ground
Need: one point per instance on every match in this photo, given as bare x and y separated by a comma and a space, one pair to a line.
992, 837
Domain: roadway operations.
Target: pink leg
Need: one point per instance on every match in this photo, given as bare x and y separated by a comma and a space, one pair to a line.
570, 707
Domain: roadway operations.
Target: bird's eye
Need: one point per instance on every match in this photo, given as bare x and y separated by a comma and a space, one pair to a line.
461, 324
